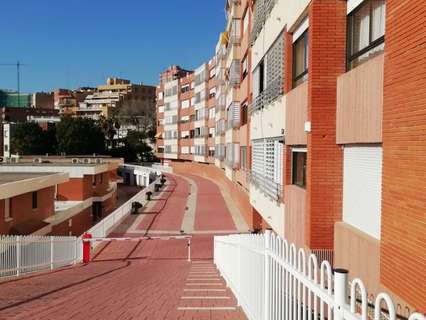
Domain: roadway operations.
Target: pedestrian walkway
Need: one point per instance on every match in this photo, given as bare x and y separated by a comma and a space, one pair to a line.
189, 204
148, 279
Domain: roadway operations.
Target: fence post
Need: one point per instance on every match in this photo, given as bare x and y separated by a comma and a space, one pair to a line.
189, 249
51, 253
340, 292
267, 236
18, 256
75, 250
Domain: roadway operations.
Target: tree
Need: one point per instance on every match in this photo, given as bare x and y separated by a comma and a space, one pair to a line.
138, 142
138, 113
79, 136
134, 147
109, 127
30, 139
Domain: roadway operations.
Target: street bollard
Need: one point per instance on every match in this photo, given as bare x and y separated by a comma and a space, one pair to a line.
86, 247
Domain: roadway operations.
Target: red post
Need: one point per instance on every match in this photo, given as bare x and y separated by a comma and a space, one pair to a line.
86, 248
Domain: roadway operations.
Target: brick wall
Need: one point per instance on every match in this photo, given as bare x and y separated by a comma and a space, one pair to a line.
21, 208
76, 189
327, 30
78, 225
403, 241
101, 185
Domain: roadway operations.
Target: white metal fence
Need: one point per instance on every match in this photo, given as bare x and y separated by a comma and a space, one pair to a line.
24, 254
109, 223
272, 280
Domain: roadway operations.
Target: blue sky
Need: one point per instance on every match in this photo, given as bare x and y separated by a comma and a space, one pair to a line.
72, 43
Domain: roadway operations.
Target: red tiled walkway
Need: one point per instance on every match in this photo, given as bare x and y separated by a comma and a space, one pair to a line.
211, 211
167, 213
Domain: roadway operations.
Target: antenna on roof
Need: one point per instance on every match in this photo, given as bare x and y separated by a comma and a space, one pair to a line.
18, 65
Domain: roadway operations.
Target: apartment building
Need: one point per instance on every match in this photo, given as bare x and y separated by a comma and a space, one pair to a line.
109, 98
67, 101
27, 200
43, 100
320, 132
88, 193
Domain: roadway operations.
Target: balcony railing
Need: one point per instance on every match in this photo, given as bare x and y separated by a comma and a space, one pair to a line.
267, 185
234, 73
261, 12
232, 124
270, 94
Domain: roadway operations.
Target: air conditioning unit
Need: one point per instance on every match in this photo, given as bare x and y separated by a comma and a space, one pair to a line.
74, 160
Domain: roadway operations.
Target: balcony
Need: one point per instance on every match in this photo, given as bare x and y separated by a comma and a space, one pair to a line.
220, 76
267, 186
232, 124
360, 103
235, 33
269, 95
235, 73
296, 115
220, 103
234, 119
262, 10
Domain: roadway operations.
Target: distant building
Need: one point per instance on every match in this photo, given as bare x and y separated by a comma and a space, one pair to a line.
7, 133
67, 101
10, 117
11, 99
43, 100
115, 94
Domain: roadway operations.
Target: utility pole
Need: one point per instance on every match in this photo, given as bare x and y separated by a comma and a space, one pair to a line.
18, 66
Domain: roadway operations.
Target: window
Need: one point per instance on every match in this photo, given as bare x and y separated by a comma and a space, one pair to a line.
101, 176
366, 32
184, 88
300, 59
212, 114
211, 151
185, 104
94, 180
261, 77
244, 67
299, 168
244, 114
34, 200
212, 93
243, 157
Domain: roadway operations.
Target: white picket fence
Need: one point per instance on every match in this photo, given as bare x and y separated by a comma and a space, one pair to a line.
272, 280
25, 254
